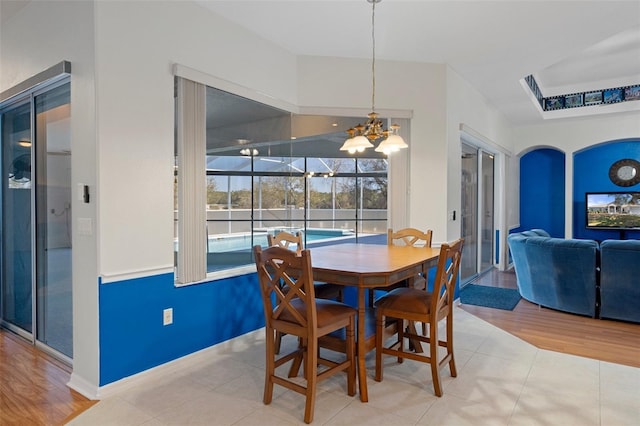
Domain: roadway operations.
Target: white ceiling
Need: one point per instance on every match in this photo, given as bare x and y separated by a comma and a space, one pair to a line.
569, 46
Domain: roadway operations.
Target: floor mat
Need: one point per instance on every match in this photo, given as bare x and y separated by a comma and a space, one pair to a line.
491, 297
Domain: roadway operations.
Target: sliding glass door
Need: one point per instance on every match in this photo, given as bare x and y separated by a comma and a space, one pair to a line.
53, 219
17, 226
35, 284
477, 211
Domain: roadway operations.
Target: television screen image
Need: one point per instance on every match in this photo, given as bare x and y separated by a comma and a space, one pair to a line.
613, 210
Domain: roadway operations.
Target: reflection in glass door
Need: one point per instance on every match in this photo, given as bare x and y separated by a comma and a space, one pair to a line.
469, 216
17, 241
53, 219
485, 209
36, 218
477, 212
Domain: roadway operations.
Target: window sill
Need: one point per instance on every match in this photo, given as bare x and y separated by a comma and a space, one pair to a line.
219, 275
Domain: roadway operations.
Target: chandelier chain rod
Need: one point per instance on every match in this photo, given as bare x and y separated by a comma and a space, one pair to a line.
362, 136
373, 56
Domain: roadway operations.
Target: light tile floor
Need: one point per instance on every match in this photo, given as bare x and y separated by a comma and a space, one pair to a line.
501, 381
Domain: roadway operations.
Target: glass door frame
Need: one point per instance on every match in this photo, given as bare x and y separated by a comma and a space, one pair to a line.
486, 260
480, 206
28, 96
27, 99
469, 165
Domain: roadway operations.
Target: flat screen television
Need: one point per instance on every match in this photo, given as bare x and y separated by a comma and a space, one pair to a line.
613, 210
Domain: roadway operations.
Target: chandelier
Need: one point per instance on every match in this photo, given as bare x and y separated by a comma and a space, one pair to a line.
362, 136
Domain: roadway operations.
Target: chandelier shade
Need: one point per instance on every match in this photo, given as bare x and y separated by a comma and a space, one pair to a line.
362, 136
392, 143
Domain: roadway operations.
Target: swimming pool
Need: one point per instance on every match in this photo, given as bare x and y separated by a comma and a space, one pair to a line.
240, 242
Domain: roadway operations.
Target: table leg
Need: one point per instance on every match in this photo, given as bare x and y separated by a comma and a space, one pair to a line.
362, 370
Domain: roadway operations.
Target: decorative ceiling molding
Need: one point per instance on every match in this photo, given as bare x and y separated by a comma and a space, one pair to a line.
579, 100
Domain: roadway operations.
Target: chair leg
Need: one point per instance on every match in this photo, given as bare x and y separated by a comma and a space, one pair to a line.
278, 342
297, 361
414, 344
401, 331
269, 368
452, 361
433, 353
311, 367
351, 355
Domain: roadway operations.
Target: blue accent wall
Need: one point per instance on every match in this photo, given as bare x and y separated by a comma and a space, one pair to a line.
133, 338
542, 181
591, 174
542, 195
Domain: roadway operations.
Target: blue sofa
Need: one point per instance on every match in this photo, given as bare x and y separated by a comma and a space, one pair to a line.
620, 280
578, 276
556, 273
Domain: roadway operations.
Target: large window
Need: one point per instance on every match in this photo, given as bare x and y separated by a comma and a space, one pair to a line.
268, 170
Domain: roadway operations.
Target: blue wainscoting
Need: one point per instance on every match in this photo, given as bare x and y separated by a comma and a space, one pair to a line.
133, 338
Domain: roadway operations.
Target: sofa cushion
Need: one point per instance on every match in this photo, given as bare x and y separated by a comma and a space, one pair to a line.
620, 279
556, 273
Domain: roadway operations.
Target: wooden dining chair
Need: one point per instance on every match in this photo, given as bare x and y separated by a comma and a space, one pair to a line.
407, 237
411, 304
295, 241
290, 306
322, 290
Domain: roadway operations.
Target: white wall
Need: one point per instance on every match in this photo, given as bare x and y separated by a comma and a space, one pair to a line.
135, 127
439, 101
123, 124
466, 106
136, 124
418, 89
571, 135
39, 36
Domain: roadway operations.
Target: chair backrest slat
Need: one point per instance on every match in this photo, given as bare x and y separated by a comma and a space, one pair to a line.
409, 237
446, 277
286, 283
286, 240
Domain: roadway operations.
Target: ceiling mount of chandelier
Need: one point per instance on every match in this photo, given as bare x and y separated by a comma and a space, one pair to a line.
362, 136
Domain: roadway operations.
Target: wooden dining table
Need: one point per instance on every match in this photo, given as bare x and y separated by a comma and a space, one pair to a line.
367, 266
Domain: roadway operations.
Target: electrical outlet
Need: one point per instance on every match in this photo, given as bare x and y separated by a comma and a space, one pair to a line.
167, 316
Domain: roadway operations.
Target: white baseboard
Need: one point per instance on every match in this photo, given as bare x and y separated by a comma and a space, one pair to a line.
91, 391
83, 386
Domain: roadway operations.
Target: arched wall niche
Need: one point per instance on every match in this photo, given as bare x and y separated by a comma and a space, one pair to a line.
591, 174
542, 190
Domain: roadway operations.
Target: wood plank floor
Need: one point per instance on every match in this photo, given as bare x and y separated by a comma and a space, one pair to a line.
605, 340
33, 387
